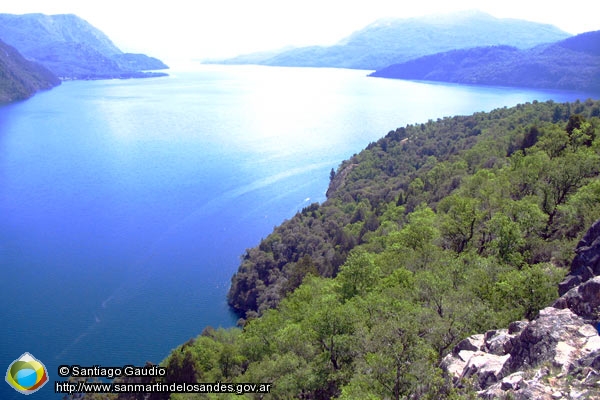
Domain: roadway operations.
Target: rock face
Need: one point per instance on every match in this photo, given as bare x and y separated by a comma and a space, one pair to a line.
339, 180
586, 263
72, 48
555, 356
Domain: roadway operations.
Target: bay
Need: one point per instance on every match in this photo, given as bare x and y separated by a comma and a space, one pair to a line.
126, 204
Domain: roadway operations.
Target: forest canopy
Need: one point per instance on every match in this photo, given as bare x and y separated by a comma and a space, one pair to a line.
514, 184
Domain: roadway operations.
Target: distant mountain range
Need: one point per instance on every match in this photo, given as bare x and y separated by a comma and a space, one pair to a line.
72, 48
20, 78
392, 41
570, 64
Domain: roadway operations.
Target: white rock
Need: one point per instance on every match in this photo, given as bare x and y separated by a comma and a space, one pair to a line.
472, 343
588, 330
495, 343
465, 355
564, 355
487, 367
454, 366
575, 394
512, 382
593, 344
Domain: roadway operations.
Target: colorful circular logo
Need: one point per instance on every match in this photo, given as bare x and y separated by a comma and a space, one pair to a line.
26, 374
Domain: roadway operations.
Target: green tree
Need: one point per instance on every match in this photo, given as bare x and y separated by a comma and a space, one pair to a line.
459, 217
358, 275
394, 361
507, 239
524, 292
562, 177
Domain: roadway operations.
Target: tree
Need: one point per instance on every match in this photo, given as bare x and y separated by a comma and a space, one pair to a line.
575, 122
531, 138
562, 177
459, 218
358, 275
507, 239
524, 292
394, 361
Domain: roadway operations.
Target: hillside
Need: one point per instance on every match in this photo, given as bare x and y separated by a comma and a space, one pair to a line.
412, 165
19, 78
571, 64
393, 41
430, 236
72, 48
588, 43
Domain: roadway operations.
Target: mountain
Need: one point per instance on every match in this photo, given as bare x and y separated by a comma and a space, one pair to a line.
392, 41
20, 78
570, 64
588, 43
72, 48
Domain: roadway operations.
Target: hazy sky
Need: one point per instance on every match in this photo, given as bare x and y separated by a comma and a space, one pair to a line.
178, 29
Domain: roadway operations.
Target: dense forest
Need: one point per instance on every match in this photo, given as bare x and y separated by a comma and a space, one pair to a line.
570, 64
435, 232
441, 166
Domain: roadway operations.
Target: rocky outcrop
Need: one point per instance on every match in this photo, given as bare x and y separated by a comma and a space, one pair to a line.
584, 300
338, 180
555, 356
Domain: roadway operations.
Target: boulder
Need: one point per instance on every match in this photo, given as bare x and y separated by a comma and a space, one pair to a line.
539, 341
496, 340
517, 326
486, 367
454, 367
584, 300
472, 343
512, 382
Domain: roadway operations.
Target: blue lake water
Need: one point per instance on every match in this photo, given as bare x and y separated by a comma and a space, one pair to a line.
126, 204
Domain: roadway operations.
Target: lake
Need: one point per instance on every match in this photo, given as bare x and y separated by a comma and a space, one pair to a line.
125, 205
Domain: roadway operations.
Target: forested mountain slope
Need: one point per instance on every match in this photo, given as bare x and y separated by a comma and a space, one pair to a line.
453, 160
20, 78
431, 234
571, 64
